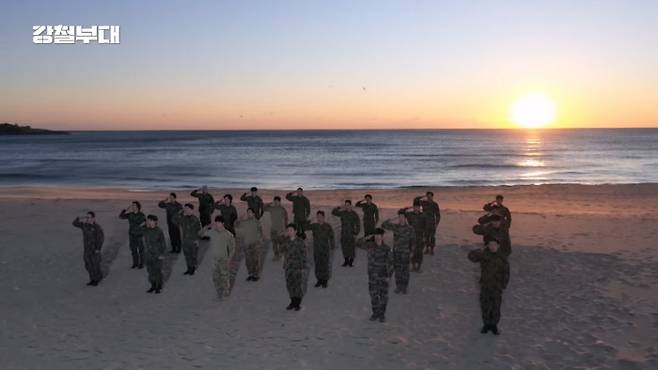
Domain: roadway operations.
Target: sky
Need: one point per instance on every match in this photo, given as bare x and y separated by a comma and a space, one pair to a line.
330, 64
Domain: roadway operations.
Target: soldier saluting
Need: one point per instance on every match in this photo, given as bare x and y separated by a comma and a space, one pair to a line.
92, 239
301, 208
154, 240
417, 221
206, 204
294, 265
254, 202
228, 211
404, 241
136, 220
432, 216
190, 226
380, 269
173, 208
370, 214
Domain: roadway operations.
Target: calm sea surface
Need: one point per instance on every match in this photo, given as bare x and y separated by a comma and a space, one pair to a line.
331, 159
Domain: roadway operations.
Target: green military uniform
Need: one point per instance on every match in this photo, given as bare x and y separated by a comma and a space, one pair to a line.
251, 235
92, 240
190, 227
432, 216
324, 243
230, 214
135, 222
349, 229
417, 222
154, 241
370, 216
279, 220
294, 265
301, 209
206, 206
404, 241
504, 212
172, 208
380, 268
494, 276
254, 202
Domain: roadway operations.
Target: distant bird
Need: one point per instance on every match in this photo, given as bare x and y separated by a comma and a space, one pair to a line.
363, 87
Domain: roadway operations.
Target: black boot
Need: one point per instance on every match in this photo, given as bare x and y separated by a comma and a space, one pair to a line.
351, 264
374, 317
318, 284
134, 266
346, 262
494, 329
298, 302
192, 271
152, 288
91, 282
291, 305
187, 272
485, 329
324, 283
158, 288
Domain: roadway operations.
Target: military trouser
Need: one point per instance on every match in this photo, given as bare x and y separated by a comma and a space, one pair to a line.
490, 301
401, 267
378, 287
204, 217
191, 252
301, 224
368, 227
174, 236
417, 257
93, 265
295, 282
220, 277
347, 244
154, 269
321, 260
252, 258
137, 249
276, 238
430, 235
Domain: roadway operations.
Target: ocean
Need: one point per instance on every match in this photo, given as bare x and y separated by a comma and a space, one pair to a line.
330, 159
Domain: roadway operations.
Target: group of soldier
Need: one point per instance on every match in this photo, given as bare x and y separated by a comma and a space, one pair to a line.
414, 234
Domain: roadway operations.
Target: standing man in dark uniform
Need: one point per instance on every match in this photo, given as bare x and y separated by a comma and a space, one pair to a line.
416, 219
294, 264
301, 208
206, 204
503, 211
349, 229
324, 243
254, 202
136, 220
380, 269
190, 226
370, 214
404, 241
92, 239
154, 240
173, 208
228, 211
432, 215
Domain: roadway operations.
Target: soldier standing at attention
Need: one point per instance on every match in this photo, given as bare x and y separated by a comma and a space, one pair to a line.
254, 202
136, 220
404, 241
251, 235
189, 225
503, 211
349, 229
432, 215
173, 208
380, 269
323, 245
223, 242
92, 240
370, 214
279, 220
206, 204
294, 264
155, 249
301, 208
228, 211
494, 276
417, 221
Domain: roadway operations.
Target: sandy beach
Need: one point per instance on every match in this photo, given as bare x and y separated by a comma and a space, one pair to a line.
582, 293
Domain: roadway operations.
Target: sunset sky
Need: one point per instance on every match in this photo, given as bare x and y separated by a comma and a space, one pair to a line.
331, 64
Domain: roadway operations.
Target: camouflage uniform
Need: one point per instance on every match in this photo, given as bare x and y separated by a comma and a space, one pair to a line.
190, 227
404, 241
349, 229
380, 268
230, 214
251, 235
504, 212
432, 215
301, 209
206, 206
501, 234
154, 240
135, 222
172, 209
92, 239
323, 244
223, 243
417, 222
294, 265
370, 216
254, 202
494, 276
279, 218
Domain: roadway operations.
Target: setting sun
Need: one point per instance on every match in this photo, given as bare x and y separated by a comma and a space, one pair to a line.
533, 111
